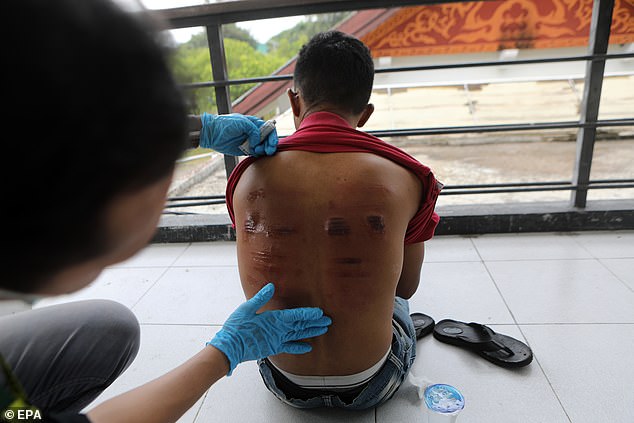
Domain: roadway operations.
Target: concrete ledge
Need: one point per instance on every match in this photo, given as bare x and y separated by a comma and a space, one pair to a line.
194, 228
455, 220
535, 217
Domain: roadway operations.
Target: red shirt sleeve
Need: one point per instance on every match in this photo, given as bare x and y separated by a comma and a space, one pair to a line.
422, 226
232, 181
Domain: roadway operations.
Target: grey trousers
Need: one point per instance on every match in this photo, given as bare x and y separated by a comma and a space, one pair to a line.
66, 355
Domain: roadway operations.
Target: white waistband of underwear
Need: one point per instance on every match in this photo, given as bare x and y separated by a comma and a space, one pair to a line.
335, 382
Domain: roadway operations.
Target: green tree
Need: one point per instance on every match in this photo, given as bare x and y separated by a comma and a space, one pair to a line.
191, 62
287, 43
234, 32
244, 61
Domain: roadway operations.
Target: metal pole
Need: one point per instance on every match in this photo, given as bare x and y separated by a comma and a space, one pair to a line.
598, 44
219, 73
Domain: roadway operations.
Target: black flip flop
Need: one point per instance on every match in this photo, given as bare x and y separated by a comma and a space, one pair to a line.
497, 348
423, 324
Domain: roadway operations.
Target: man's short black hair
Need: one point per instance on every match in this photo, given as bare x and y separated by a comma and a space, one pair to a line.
337, 69
91, 112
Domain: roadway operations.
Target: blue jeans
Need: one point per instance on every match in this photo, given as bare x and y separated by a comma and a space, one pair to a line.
378, 390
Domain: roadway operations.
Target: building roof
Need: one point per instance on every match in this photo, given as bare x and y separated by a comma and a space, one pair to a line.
462, 27
472, 27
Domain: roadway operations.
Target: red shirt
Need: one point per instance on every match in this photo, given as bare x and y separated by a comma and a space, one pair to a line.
325, 132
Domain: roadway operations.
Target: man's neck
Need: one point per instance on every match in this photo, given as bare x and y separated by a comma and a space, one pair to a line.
350, 119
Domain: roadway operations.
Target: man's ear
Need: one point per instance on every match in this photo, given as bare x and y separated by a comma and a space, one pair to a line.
294, 98
367, 112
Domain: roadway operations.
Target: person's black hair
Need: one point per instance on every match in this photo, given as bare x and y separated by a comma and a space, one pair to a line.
91, 112
337, 69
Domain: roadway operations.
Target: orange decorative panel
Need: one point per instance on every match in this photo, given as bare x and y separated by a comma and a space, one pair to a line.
469, 27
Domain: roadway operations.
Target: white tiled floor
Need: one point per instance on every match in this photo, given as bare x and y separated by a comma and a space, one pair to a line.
569, 296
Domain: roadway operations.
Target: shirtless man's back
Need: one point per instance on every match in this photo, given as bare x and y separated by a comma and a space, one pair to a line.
328, 229
336, 219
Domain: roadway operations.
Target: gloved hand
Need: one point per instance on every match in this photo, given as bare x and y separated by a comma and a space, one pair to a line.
226, 133
249, 336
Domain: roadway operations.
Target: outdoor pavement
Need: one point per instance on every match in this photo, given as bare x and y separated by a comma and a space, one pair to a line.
569, 296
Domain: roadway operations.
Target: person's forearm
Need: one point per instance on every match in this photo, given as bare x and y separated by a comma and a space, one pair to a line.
167, 398
413, 257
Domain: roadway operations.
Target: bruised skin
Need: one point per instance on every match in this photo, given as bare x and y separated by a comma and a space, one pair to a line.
328, 229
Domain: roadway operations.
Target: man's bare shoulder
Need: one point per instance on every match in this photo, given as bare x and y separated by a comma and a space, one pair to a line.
305, 164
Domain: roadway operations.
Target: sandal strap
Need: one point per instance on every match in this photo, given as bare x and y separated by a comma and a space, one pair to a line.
487, 341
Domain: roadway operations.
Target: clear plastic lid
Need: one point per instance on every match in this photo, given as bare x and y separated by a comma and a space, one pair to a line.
444, 399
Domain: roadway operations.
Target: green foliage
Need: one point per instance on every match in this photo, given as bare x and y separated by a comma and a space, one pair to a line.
243, 61
288, 46
287, 43
198, 40
234, 32
191, 62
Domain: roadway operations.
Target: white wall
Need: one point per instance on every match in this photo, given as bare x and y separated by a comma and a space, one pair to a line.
487, 74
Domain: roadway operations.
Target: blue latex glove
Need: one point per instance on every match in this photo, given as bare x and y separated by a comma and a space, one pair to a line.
226, 133
249, 336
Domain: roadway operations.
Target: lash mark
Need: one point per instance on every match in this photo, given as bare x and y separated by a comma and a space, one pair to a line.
251, 225
255, 195
337, 226
276, 231
376, 224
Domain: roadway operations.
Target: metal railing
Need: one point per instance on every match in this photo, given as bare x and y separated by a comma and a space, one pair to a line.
213, 16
